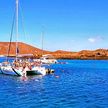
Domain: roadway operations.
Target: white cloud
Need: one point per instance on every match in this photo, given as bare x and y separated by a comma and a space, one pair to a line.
95, 39
92, 40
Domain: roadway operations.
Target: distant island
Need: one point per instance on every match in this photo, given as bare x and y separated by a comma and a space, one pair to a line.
25, 49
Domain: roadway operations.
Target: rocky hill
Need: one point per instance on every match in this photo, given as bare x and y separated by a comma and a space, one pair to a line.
59, 54
22, 47
84, 54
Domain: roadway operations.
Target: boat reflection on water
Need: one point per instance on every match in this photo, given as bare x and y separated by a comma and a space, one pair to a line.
23, 78
32, 77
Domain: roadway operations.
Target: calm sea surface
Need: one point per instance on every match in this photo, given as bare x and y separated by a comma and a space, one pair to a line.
76, 84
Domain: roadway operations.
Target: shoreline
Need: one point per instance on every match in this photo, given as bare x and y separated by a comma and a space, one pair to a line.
33, 52
65, 57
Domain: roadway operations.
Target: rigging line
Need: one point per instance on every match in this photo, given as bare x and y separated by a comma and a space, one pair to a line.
42, 39
17, 19
22, 22
22, 17
11, 34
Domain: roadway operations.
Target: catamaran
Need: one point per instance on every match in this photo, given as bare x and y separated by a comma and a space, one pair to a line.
48, 59
17, 67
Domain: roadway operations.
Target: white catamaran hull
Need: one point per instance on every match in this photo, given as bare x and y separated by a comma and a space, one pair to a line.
39, 70
22, 72
8, 70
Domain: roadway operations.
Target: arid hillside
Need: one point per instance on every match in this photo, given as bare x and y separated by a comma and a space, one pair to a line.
59, 54
84, 54
22, 47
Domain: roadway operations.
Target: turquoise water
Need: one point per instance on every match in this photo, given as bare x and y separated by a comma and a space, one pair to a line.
76, 84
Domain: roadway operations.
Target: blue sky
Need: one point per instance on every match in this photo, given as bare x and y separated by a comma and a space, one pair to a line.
71, 25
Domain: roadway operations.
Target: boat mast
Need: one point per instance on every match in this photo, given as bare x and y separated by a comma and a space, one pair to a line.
42, 39
42, 36
16, 29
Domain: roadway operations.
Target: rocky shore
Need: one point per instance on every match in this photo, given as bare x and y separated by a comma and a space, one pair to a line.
99, 54
25, 49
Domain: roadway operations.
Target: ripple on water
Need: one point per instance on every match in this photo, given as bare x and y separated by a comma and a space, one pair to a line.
81, 84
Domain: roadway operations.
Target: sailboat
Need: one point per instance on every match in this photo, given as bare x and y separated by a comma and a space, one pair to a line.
20, 68
46, 58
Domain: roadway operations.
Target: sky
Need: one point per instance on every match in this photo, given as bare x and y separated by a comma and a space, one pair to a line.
71, 25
